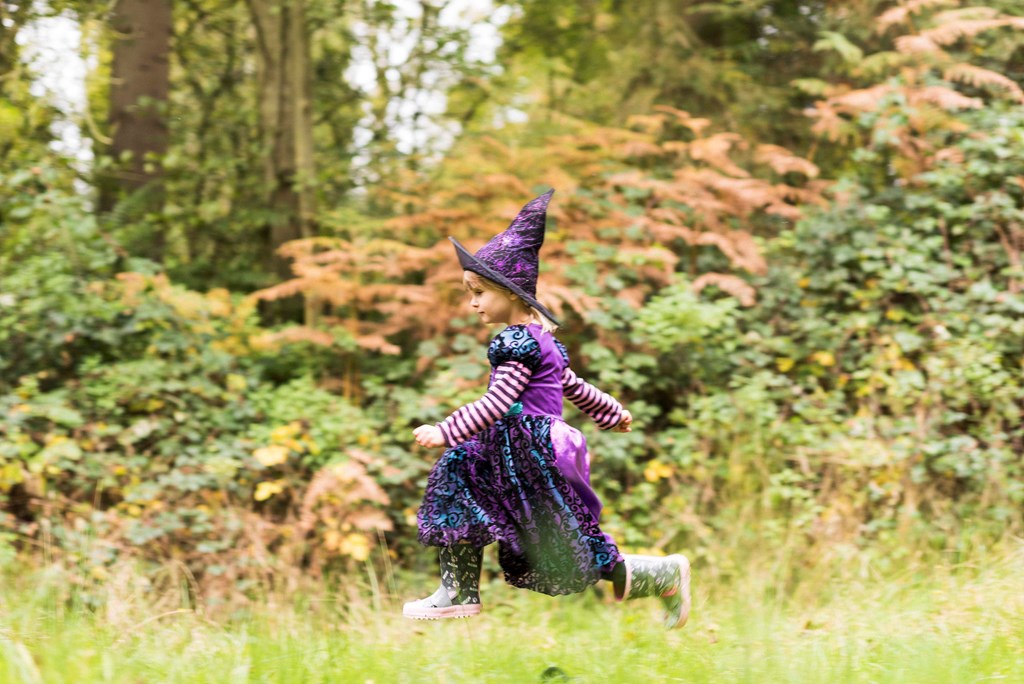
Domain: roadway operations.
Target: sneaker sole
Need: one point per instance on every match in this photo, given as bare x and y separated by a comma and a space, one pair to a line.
441, 613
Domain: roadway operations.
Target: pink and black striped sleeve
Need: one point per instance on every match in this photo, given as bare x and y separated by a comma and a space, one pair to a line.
510, 379
601, 407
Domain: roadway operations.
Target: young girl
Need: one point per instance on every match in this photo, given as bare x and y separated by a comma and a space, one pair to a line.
513, 471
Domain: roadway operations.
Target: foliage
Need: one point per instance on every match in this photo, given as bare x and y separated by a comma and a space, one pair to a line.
731, 61
219, 200
638, 205
163, 433
52, 257
815, 317
875, 391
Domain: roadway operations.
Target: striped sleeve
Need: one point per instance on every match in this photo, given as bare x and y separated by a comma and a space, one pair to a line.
601, 407
510, 379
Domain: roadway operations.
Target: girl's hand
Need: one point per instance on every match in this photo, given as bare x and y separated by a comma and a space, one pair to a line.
626, 424
429, 436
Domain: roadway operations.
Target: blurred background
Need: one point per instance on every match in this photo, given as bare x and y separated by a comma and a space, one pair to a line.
787, 234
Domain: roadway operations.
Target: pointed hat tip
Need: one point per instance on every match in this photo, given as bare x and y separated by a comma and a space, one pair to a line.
542, 199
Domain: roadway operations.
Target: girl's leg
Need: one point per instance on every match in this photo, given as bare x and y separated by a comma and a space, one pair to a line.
459, 593
617, 576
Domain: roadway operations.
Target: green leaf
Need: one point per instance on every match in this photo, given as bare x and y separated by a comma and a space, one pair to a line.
830, 40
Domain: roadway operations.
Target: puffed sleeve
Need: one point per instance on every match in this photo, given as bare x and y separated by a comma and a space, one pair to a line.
563, 351
515, 355
515, 344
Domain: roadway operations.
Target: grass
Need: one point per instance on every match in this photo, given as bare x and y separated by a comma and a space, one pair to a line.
925, 624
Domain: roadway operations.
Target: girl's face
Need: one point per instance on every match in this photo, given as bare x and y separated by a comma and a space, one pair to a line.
492, 306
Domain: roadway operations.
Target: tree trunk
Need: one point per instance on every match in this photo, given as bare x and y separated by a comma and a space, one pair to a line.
286, 121
139, 87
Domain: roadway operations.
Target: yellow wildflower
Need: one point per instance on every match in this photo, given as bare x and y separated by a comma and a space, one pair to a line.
271, 455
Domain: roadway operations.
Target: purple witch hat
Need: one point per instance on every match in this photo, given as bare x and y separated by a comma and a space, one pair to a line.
511, 259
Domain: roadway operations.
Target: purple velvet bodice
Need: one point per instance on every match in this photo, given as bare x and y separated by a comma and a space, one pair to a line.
543, 395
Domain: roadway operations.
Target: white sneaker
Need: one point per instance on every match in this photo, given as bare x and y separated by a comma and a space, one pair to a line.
438, 606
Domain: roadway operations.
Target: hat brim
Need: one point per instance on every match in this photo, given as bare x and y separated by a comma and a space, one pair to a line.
471, 263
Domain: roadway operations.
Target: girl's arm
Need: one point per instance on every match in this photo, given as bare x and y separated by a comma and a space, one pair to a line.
510, 379
602, 408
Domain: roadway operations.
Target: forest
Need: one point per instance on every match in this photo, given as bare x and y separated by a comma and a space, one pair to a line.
786, 234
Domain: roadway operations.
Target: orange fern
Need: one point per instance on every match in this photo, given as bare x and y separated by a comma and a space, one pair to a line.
737, 287
979, 77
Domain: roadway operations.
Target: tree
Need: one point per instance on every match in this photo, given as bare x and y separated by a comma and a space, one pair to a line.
286, 119
139, 88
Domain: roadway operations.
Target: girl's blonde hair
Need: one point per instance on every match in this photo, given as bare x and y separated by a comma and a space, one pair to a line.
472, 280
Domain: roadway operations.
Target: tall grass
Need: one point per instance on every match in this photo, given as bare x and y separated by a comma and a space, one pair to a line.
849, 622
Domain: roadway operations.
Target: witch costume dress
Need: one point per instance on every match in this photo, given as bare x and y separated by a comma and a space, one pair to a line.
515, 473
524, 480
